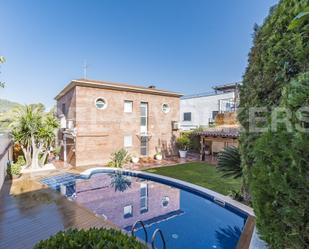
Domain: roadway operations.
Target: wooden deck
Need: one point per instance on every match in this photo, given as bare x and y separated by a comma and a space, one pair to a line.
30, 212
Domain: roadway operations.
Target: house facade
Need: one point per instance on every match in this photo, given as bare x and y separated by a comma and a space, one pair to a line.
200, 110
99, 118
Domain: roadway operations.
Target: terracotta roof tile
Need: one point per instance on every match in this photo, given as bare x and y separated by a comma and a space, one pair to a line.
232, 132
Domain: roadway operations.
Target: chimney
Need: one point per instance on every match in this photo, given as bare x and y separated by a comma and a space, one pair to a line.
151, 87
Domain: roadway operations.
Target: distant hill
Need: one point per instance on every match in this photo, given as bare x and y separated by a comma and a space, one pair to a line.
6, 107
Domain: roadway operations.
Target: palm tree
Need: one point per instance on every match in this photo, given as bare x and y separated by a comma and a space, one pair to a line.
119, 158
47, 135
229, 162
35, 132
23, 140
120, 182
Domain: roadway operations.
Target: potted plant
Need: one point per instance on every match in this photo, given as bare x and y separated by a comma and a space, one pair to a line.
158, 156
134, 159
183, 143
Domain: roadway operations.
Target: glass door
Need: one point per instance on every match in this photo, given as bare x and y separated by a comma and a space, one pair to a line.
144, 117
144, 128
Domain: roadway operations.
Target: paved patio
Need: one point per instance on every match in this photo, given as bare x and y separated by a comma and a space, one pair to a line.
145, 163
30, 212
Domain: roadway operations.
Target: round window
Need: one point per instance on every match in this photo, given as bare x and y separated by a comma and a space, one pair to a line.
100, 103
165, 201
165, 108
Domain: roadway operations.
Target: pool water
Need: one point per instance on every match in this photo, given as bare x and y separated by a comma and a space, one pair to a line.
187, 220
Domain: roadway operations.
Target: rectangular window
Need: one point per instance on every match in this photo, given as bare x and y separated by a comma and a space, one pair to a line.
143, 117
227, 105
144, 146
63, 108
127, 141
128, 211
187, 116
128, 106
144, 198
214, 114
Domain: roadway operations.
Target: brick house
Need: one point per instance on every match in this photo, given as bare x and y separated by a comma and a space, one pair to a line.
98, 118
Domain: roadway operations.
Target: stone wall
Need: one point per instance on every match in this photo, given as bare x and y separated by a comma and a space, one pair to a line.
6, 154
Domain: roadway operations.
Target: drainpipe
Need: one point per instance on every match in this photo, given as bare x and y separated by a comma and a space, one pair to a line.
64, 148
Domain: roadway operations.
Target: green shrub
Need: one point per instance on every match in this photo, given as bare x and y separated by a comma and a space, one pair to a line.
236, 195
273, 173
280, 175
93, 238
119, 158
21, 160
57, 151
183, 142
15, 168
229, 162
277, 56
195, 144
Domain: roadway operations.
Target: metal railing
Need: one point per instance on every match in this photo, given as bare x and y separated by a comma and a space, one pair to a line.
154, 235
157, 231
143, 226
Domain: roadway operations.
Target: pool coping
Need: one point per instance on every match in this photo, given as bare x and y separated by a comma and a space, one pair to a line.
229, 203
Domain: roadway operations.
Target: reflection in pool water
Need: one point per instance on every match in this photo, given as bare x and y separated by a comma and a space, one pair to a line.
120, 181
187, 220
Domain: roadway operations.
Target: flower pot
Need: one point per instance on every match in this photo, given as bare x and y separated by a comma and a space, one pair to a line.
15, 176
158, 157
134, 159
182, 153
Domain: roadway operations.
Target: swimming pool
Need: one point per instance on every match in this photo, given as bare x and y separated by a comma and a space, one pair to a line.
188, 218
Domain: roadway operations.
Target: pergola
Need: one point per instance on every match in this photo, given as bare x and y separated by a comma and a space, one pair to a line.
214, 139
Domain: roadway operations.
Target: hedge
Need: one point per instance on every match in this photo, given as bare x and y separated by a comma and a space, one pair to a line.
275, 164
93, 238
280, 177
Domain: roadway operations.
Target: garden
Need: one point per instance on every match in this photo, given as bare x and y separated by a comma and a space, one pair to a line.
269, 170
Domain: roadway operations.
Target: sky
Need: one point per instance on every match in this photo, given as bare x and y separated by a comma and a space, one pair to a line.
186, 46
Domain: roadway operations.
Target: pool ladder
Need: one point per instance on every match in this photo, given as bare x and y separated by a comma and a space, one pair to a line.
154, 235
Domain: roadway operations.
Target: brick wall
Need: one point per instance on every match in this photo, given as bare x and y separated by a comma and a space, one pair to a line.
101, 132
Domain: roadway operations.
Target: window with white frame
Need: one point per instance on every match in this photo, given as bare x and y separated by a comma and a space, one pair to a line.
127, 141
144, 117
165, 201
144, 198
226, 105
100, 103
128, 106
144, 146
165, 108
128, 211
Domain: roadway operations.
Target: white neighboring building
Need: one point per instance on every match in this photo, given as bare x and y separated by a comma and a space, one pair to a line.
200, 110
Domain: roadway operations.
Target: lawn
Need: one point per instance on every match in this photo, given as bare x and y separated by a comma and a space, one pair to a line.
201, 174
